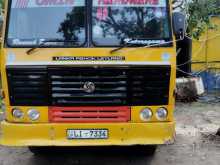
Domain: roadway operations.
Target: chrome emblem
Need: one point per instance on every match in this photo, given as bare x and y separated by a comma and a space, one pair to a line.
89, 87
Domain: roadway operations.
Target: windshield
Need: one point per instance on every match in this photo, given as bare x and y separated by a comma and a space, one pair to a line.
34, 21
75, 23
116, 22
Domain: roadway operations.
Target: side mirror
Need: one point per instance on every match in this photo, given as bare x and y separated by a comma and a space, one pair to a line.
179, 24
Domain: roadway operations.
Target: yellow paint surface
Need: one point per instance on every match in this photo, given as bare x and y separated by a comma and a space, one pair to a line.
55, 134
206, 52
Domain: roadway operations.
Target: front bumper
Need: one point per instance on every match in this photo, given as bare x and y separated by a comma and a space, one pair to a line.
53, 134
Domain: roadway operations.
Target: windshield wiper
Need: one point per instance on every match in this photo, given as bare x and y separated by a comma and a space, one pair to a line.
138, 45
47, 41
125, 43
119, 48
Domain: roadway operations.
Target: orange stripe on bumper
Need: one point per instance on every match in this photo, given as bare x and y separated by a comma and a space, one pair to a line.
89, 114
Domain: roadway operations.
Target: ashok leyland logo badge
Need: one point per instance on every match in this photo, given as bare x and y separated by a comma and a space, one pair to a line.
89, 87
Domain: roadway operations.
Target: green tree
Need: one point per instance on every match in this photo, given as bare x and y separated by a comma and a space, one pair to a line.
198, 14
72, 24
2, 3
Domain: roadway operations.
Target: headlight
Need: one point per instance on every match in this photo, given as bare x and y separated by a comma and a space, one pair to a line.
161, 114
17, 113
33, 114
146, 114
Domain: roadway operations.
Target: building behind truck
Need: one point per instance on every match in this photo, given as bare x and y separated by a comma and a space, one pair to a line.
206, 59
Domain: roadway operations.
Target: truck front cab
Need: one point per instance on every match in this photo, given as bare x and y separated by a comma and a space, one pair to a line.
82, 73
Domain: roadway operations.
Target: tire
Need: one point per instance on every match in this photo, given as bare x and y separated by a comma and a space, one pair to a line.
39, 150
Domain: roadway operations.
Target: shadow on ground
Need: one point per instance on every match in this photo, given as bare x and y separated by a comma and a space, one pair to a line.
93, 155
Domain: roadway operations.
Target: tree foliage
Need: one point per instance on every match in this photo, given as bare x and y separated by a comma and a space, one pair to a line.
2, 3
199, 14
69, 28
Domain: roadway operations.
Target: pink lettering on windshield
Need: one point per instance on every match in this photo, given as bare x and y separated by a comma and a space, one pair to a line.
54, 2
47, 3
128, 2
102, 13
21, 3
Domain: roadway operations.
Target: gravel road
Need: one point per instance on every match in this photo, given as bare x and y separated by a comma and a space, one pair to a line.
195, 143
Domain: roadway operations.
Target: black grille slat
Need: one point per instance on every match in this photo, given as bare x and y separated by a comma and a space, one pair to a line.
28, 89
104, 78
115, 86
28, 83
83, 82
28, 102
100, 90
91, 102
83, 95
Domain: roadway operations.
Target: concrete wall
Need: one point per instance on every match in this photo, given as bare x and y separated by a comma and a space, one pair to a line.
206, 57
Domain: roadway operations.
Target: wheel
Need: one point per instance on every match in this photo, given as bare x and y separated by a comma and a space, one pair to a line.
39, 150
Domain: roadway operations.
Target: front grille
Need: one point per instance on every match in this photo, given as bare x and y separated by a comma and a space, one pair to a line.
113, 86
27, 86
89, 114
67, 86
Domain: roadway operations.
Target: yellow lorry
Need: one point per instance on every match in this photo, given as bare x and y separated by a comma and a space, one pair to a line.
89, 72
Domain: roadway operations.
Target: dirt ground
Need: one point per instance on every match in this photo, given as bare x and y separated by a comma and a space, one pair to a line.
196, 144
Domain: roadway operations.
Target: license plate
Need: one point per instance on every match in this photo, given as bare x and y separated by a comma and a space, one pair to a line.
87, 134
